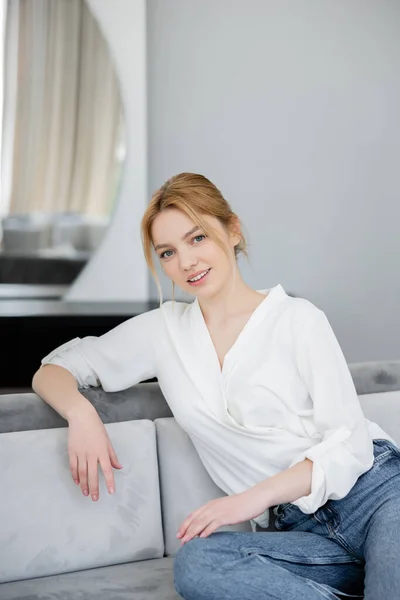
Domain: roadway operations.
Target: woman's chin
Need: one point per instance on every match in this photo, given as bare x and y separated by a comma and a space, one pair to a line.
198, 292
204, 293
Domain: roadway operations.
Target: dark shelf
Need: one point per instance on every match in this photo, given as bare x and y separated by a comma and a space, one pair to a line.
30, 329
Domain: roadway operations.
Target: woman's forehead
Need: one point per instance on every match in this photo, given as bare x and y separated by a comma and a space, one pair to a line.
173, 223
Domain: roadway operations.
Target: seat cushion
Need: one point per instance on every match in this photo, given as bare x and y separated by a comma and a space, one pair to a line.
144, 580
48, 527
184, 482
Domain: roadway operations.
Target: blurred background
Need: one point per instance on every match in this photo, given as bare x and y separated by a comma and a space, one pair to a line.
290, 107
62, 140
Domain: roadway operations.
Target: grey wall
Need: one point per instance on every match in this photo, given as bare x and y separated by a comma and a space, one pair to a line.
292, 108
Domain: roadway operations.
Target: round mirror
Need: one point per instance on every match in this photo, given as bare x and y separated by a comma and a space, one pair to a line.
62, 144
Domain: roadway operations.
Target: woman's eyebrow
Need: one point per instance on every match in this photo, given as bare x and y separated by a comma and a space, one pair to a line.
193, 230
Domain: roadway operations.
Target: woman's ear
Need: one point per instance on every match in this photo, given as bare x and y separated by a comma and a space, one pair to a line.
235, 230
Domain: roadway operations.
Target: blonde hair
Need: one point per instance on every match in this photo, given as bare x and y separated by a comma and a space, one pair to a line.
195, 196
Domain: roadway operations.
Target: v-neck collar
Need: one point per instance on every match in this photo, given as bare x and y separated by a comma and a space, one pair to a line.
203, 338
198, 356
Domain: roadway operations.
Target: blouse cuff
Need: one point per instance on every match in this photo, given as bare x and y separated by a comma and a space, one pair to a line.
319, 455
68, 357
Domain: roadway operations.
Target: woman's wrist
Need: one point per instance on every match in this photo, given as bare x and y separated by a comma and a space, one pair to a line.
77, 407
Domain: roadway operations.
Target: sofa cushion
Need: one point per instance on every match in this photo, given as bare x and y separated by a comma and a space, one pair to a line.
49, 527
383, 409
184, 482
144, 580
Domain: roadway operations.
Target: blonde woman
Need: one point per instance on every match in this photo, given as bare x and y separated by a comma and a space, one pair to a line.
258, 381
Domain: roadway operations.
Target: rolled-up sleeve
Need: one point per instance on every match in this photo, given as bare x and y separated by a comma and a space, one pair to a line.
116, 360
345, 449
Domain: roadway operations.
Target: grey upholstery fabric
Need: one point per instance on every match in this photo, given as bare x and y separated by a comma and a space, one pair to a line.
383, 409
48, 527
149, 403
25, 412
146, 580
22, 412
184, 483
375, 377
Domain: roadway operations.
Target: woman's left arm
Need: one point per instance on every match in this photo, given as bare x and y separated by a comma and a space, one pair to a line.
330, 468
229, 510
345, 450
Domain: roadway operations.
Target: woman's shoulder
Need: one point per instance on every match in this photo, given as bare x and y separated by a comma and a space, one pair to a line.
300, 310
176, 307
302, 306
297, 320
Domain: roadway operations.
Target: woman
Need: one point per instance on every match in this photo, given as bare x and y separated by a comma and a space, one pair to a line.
258, 381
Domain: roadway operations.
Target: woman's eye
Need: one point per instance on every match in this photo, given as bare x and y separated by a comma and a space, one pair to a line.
164, 254
201, 237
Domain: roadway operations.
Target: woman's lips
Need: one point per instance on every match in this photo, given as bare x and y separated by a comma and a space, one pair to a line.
200, 281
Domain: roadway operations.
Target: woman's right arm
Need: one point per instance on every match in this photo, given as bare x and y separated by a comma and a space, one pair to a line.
59, 388
88, 441
116, 360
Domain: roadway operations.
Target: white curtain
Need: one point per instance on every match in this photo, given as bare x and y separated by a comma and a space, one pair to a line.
62, 110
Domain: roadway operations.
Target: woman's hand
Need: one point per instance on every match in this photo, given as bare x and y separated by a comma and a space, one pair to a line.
88, 445
229, 510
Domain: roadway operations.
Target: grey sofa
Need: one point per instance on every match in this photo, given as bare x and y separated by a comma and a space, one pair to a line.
57, 544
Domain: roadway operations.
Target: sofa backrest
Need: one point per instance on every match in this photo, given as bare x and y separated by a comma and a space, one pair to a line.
22, 412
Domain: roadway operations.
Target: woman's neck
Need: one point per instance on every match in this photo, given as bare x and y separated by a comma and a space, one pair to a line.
232, 302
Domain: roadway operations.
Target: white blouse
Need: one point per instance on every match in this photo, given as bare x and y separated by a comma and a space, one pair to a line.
284, 393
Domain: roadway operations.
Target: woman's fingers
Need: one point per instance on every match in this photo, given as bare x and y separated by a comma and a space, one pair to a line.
90, 477
108, 474
93, 477
73, 465
84, 472
83, 475
113, 457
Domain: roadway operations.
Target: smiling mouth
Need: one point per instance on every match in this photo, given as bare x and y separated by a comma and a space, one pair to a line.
199, 277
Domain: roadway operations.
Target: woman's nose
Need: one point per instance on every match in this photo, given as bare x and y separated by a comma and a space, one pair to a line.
187, 262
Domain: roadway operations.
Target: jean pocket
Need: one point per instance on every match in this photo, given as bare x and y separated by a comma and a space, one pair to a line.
280, 509
328, 515
288, 516
384, 449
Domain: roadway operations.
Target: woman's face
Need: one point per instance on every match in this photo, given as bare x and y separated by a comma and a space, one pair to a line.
191, 260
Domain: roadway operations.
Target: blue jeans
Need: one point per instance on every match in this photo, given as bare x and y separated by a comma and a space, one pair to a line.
347, 548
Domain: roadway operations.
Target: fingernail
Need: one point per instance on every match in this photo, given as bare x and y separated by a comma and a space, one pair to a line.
111, 490
76, 481
86, 493
95, 498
